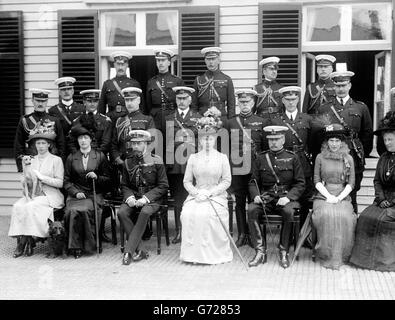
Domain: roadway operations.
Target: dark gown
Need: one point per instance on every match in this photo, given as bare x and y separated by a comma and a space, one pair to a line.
374, 246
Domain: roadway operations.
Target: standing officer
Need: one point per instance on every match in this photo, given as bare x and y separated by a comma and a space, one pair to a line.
37, 119
277, 183
144, 186
214, 89
111, 93
92, 118
246, 141
269, 99
67, 109
356, 120
161, 99
297, 139
323, 90
180, 140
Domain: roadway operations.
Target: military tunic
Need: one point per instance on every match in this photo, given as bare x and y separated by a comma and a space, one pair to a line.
269, 99
25, 125
318, 93
112, 98
66, 115
133, 121
159, 104
214, 89
103, 134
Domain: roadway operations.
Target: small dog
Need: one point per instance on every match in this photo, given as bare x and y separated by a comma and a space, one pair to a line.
57, 239
31, 185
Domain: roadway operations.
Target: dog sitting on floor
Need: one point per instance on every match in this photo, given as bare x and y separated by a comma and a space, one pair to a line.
57, 239
31, 185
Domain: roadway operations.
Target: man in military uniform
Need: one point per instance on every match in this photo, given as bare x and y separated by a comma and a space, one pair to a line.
297, 139
144, 186
246, 142
323, 90
111, 93
269, 99
355, 117
92, 118
214, 90
161, 99
30, 122
67, 109
277, 183
181, 137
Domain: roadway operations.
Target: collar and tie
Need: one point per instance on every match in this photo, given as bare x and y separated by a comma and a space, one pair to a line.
182, 114
341, 102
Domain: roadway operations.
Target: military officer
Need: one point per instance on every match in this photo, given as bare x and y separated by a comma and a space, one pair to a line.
355, 117
213, 89
246, 141
91, 117
133, 120
297, 139
32, 121
181, 138
323, 90
277, 183
161, 99
144, 186
67, 109
269, 99
111, 98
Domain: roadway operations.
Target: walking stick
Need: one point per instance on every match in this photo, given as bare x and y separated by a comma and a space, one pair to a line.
229, 236
96, 218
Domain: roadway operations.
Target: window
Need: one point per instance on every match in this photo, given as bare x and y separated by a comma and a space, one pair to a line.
120, 30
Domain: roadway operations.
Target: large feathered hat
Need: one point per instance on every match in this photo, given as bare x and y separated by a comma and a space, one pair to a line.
387, 123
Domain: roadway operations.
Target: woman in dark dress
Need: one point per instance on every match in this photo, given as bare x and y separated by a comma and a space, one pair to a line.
82, 167
374, 246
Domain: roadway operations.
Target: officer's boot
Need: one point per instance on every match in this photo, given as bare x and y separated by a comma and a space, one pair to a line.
259, 244
243, 237
177, 238
283, 257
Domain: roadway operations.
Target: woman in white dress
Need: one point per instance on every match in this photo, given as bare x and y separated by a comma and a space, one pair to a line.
29, 219
204, 239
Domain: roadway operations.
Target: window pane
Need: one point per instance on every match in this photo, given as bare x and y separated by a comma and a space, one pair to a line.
369, 24
120, 29
323, 24
162, 28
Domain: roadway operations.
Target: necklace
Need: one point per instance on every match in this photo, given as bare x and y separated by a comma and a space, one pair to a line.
389, 168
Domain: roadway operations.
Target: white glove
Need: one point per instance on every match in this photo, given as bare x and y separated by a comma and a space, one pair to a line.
131, 201
258, 200
332, 199
282, 201
141, 202
38, 175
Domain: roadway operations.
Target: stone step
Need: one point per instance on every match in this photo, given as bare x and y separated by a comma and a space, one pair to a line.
10, 184
5, 210
8, 167
16, 193
7, 161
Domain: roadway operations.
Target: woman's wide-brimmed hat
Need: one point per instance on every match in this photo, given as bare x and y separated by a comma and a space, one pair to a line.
386, 124
79, 130
334, 130
44, 129
208, 125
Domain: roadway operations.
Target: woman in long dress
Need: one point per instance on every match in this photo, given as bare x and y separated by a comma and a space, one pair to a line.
204, 239
81, 169
333, 215
29, 218
374, 246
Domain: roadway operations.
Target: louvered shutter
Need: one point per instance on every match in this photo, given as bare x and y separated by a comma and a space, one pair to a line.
280, 35
11, 78
198, 29
78, 48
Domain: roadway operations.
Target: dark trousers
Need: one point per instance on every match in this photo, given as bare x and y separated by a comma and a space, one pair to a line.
240, 189
179, 194
135, 230
306, 201
255, 214
353, 193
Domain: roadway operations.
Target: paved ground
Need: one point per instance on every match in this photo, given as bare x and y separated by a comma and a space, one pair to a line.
166, 277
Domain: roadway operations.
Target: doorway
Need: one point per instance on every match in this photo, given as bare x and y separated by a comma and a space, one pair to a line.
142, 68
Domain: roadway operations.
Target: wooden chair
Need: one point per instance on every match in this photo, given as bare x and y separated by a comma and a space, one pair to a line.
112, 203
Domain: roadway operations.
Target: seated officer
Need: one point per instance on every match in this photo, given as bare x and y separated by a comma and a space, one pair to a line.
92, 118
246, 141
144, 186
181, 136
277, 182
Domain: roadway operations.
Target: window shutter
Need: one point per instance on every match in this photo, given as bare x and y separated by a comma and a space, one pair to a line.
280, 35
11, 79
198, 29
78, 48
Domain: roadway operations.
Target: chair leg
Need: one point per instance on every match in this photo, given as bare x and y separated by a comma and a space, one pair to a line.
166, 227
230, 209
113, 226
158, 230
122, 237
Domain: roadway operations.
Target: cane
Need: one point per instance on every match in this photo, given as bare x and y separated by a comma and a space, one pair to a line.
96, 218
227, 233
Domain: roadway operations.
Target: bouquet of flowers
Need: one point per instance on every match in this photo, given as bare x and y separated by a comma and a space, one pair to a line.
209, 124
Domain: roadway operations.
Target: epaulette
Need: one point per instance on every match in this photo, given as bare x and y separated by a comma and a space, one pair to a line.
360, 102
105, 117
289, 151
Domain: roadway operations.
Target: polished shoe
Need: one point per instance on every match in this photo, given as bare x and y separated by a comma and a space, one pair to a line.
127, 258
283, 259
313, 256
260, 257
140, 255
77, 253
104, 238
177, 238
20, 248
